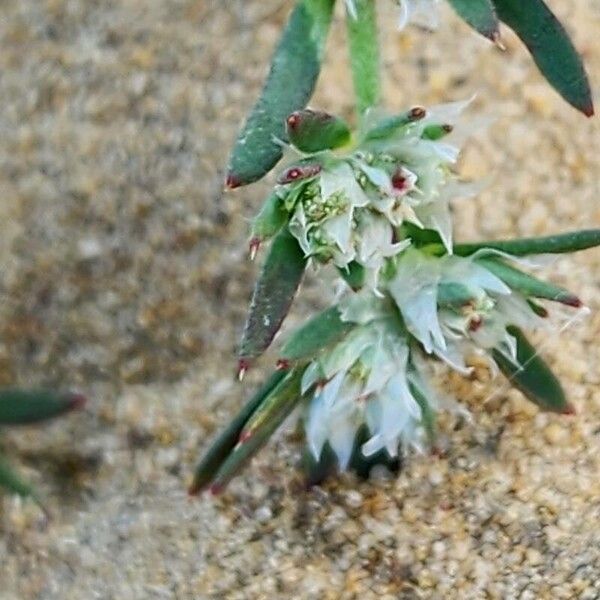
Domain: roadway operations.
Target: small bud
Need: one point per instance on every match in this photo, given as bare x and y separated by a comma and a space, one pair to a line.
314, 131
417, 113
298, 173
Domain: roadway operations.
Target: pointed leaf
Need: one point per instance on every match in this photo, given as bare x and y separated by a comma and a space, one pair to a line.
529, 285
273, 294
364, 54
288, 394
388, 126
480, 15
321, 331
271, 218
532, 376
551, 49
289, 86
315, 130
22, 407
277, 400
219, 450
551, 244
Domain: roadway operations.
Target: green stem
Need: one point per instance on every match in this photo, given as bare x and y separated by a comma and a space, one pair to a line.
364, 55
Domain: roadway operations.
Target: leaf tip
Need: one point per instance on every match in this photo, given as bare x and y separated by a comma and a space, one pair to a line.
569, 409
232, 181
243, 366
283, 364
76, 401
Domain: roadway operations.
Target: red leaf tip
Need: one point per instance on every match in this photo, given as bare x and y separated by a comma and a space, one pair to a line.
282, 364
232, 181
77, 401
243, 366
569, 409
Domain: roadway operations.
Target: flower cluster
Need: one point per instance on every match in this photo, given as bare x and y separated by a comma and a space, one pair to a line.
450, 308
345, 208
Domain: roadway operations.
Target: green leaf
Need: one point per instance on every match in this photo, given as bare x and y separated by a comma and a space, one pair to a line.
532, 376
12, 482
529, 285
354, 275
270, 219
294, 71
480, 15
364, 54
22, 407
388, 126
273, 294
319, 332
315, 130
428, 417
551, 49
277, 400
288, 395
551, 244
219, 450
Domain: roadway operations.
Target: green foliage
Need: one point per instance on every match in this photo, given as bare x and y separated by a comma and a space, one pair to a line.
23, 407
294, 71
27, 407
279, 402
551, 49
271, 218
532, 376
273, 294
551, 244
226, 441
527, 284
364, 54
480, 15
316, 130
317, 333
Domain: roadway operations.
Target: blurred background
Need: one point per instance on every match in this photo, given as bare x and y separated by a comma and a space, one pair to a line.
124, 273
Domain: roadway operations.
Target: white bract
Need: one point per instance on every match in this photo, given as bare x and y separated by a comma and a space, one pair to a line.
351, 209
451, 308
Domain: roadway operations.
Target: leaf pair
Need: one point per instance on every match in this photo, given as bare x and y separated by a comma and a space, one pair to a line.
545, 37
248, 432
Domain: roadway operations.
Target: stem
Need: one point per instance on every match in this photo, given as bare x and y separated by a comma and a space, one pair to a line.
364, 54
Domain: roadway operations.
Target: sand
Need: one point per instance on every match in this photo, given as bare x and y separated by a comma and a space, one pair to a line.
125, 275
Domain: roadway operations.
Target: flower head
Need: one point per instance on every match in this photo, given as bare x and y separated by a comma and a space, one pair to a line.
346, 208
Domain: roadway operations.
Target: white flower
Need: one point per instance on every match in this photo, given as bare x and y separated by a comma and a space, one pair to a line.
351, 206
364, 380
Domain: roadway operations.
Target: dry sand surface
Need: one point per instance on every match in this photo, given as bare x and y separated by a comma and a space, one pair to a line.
124, 274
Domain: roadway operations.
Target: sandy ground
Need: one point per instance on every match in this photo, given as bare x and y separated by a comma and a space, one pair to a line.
124, 274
